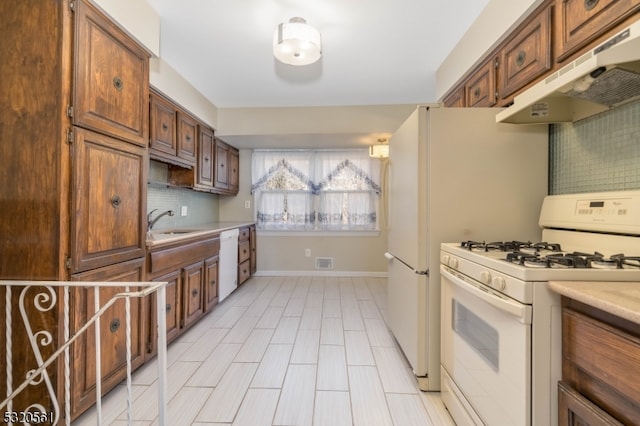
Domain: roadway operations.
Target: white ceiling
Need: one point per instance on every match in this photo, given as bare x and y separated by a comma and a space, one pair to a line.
376, 52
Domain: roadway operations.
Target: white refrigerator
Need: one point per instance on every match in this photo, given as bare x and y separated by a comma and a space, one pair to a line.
454, 175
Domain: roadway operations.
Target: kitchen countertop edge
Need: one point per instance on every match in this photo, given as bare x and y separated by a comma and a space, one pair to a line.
198, 231
618, 298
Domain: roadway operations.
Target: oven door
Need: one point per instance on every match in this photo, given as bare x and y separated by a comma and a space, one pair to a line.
486, 351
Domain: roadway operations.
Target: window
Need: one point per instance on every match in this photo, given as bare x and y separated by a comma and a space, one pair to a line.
315, 190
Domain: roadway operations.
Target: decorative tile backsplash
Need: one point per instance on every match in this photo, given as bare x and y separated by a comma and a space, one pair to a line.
600, 153
202, 207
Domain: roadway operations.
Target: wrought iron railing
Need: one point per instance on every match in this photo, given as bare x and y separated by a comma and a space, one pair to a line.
43, 297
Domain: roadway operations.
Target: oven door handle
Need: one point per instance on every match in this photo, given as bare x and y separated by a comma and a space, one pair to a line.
498, 301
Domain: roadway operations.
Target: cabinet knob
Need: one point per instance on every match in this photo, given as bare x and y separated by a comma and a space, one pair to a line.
194, 293
115, 325
476, 92
117, 83
521, 58
206, 159
165, 127
188, 137
167, 308
213, 283
116, 201
590, 4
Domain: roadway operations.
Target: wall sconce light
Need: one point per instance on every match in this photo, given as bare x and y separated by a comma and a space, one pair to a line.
297, 43
380, 150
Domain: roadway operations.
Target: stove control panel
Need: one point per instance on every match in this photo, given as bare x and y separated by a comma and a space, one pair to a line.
608, 212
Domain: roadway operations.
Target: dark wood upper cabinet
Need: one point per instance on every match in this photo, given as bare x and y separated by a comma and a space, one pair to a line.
526, 56
111, 79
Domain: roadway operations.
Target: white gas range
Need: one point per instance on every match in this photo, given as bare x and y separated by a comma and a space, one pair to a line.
501, 342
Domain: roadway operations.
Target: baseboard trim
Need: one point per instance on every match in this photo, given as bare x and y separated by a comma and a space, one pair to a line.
320, 274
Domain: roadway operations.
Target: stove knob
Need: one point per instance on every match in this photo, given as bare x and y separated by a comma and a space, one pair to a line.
444, 259
485, 277
453, 263
498, 283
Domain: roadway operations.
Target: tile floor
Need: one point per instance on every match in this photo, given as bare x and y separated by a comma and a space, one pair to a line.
285, 351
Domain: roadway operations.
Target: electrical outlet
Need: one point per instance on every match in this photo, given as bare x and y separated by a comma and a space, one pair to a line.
247, 204
307, 252
183, 211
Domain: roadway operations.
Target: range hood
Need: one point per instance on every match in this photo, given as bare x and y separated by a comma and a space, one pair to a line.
603, 78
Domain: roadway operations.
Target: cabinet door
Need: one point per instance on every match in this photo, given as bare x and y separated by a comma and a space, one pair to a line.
221, 170
211, 282
527, 55
172, 308
234, 172
192, 294
205, 158
112, 332
162, 139
108, 219
111, 79
580, 22
480, 89
187, 138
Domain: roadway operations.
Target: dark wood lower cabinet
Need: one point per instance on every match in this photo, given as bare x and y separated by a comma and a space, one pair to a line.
193, 300
112, 330
600, 368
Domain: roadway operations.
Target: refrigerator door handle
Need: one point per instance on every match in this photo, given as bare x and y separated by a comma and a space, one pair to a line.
390, 256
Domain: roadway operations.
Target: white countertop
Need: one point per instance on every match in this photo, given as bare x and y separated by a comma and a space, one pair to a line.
618, 298
161, 237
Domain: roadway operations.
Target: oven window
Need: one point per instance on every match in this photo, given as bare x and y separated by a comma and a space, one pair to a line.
481, 336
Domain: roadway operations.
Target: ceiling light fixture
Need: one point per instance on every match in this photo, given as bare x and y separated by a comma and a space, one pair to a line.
296, 43
380, 150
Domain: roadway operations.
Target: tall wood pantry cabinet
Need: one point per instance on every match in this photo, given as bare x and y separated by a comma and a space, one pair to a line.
73, 163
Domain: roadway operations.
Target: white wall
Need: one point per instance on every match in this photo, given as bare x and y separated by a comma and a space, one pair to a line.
498, 18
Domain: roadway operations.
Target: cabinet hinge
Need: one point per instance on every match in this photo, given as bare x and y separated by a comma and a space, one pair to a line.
70, 111
70, 136
72, 6
67, 263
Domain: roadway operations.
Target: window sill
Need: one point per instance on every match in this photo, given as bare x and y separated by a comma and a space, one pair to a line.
319, 233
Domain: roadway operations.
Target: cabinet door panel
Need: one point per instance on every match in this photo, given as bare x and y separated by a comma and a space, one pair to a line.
113, 325
187, 138
221, 170
481, 86
111, 78
109, 178
527, 56
205, 158
234, 172
211, 282
163, 126
580, 22
192, 295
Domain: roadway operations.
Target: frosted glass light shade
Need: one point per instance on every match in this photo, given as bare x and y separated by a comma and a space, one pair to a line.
296, 43
379, 151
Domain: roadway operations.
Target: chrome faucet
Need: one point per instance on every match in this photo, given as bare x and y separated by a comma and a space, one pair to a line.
150, 222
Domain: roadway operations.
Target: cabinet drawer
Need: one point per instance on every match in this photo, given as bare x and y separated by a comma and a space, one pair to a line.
244, 271
580, 22
244, 234
244, 251
527, 56
171, 258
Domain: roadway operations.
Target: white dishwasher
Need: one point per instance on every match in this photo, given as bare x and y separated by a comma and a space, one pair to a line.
228, 263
